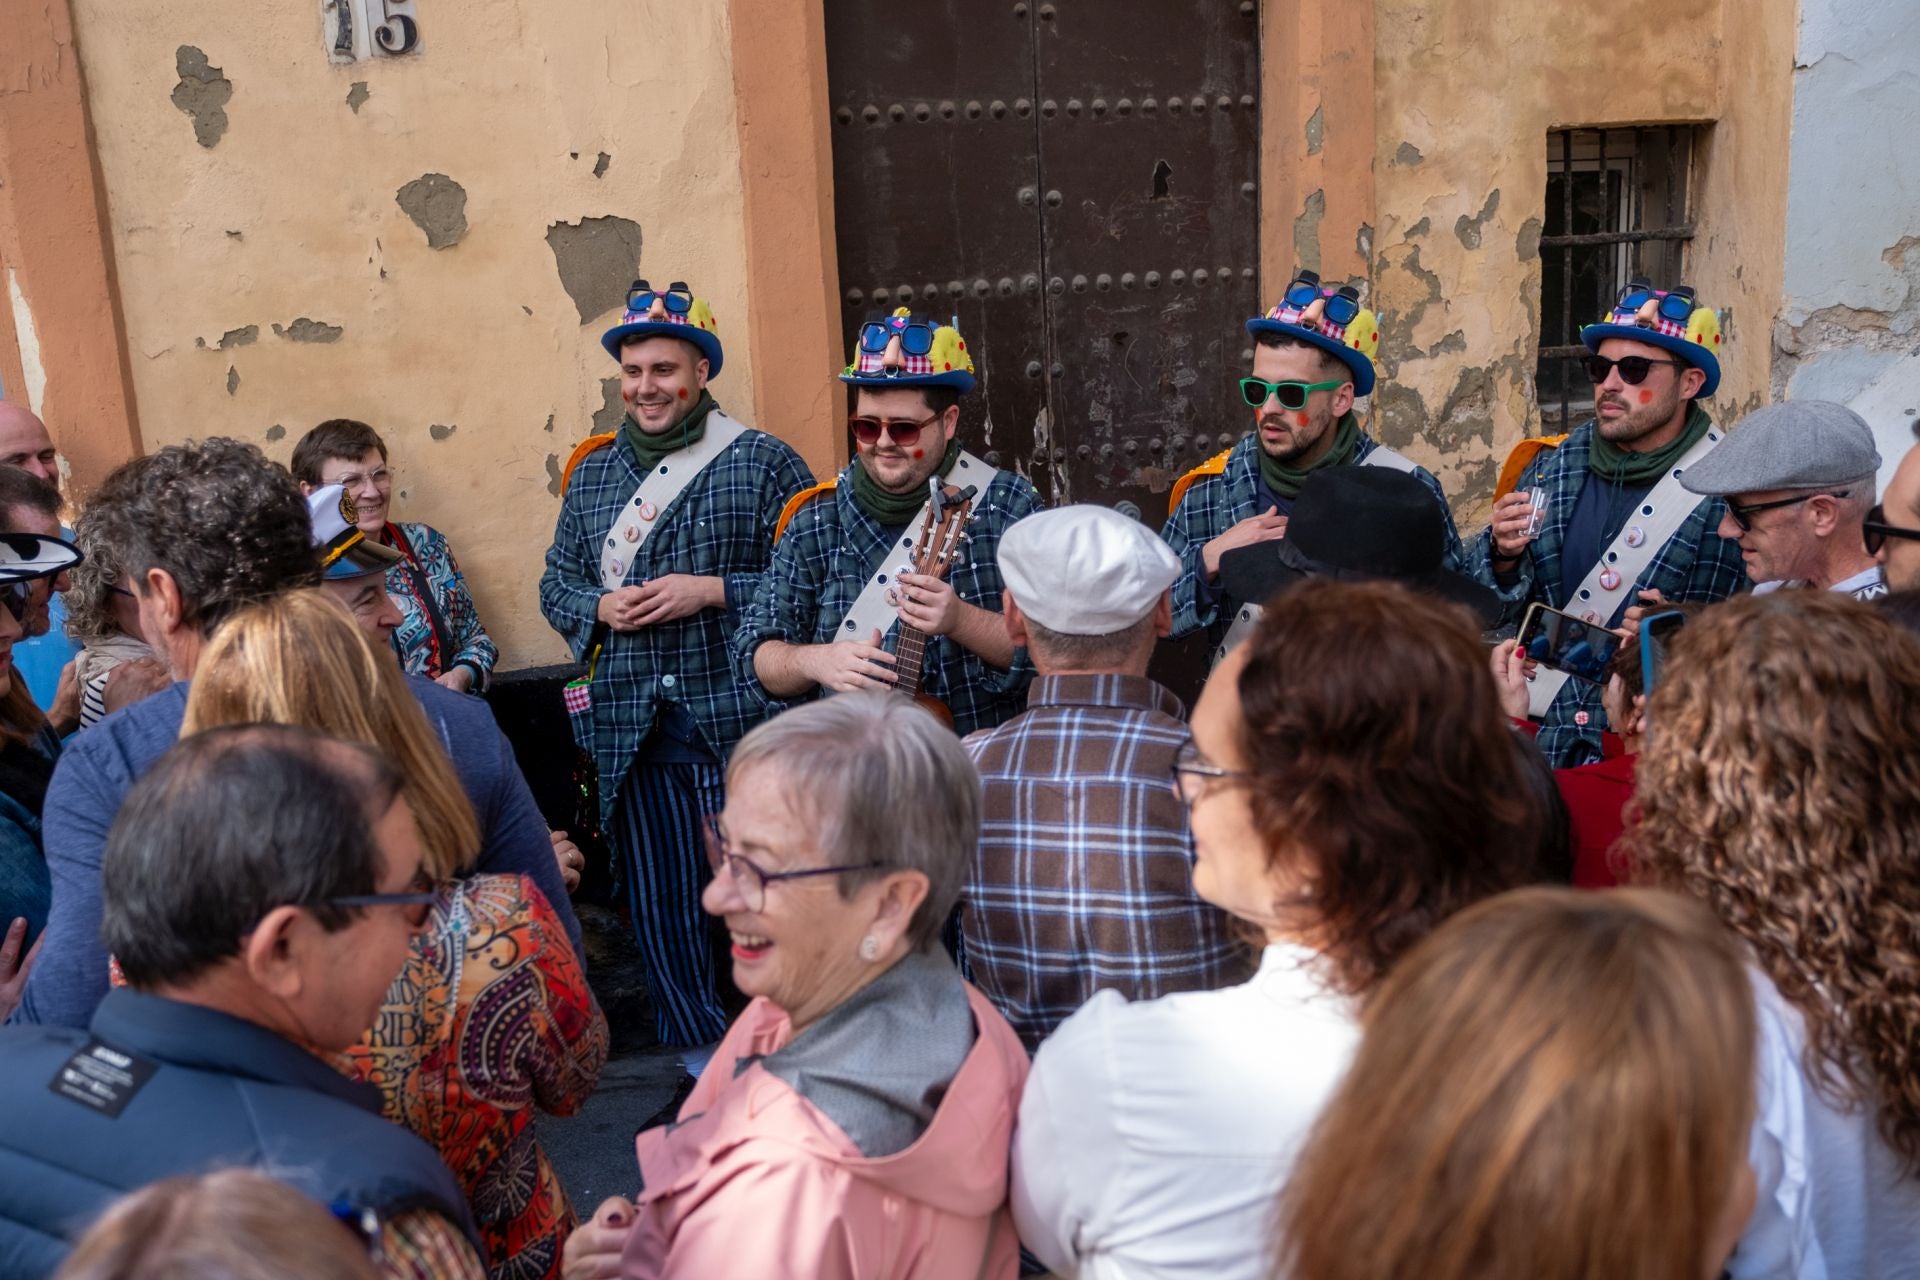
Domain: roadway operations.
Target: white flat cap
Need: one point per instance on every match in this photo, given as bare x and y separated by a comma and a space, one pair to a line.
1085, 570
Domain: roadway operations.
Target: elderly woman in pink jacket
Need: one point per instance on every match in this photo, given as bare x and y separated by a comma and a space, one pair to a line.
856, 1120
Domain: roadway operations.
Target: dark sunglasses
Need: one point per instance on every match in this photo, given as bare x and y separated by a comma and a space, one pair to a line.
1293, 395
14, 596
1633, 369
901, 430
916, 337
1743, 515
678, 298
1676, 305
1342, 305
1875, 531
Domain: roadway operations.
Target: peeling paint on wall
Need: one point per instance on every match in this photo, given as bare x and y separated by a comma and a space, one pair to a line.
233, 379
1306, 230
438, 206
203, 93
1407, 156
600, 165
597, 258
553, 474
358, 95
230, 339
1316, 130
1469, 229
276, 433
309, 330
32, 366
608, 416
441, 431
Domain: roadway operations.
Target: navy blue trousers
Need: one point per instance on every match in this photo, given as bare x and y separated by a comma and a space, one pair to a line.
656, 828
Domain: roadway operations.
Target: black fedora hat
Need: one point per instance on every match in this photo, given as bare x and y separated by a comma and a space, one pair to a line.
1358, 523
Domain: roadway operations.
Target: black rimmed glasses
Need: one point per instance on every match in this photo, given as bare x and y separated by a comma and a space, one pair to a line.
676, 297
1743, 514
1292, 395
1633, 369
1875, 531
748, 877
1192, 775
418, 901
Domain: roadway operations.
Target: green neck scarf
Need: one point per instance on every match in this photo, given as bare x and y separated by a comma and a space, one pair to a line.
889, 509
1622, 466
648, 450
1286, 481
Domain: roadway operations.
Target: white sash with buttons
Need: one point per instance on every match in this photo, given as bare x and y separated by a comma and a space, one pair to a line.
1659, 516
667, 480
871, 610
1249, 616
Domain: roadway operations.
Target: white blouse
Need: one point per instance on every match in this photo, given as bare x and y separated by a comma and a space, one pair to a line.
1154, 1137
1834, 1202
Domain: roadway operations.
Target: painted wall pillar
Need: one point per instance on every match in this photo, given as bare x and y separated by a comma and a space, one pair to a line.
63, 349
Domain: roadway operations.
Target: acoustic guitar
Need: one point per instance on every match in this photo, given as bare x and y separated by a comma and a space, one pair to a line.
932, 556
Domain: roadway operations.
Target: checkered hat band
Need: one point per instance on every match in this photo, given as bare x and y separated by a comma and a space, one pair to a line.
638, 317
875, 362
1661, 324
1291, 315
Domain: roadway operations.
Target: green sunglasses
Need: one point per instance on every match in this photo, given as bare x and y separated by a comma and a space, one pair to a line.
1293, 395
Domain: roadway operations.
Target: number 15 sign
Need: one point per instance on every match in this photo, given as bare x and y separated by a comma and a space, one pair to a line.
360, 29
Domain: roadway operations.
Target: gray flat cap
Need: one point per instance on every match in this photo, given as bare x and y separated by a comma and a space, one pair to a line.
1801, 444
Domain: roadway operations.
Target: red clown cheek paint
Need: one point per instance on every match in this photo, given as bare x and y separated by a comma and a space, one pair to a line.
919, 454
1300, 418
683, 393
1646, 397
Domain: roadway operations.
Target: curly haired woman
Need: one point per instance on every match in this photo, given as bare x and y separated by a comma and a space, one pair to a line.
1781, 786
1351, 783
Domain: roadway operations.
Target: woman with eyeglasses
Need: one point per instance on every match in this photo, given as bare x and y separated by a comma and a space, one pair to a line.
440, 635
1781, 787
26, 763
1351, 783
492, 1015
855, 1121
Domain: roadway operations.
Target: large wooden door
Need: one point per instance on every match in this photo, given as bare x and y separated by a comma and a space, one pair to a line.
1076, 182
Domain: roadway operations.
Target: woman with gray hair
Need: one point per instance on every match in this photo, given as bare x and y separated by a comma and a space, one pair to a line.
856, 1120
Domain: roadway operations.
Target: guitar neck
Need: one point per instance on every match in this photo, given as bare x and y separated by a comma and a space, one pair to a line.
911, 654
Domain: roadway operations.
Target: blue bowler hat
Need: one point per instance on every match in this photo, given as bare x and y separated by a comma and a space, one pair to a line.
1666, 318
672, 312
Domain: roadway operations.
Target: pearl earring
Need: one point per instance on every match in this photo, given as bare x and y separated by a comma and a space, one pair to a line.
869, 948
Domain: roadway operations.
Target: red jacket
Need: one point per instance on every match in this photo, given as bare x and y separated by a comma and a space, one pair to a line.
1596, 796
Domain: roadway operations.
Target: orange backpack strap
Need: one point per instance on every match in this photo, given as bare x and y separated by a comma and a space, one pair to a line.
1523, 453
800, 500
580, 451
1214, 466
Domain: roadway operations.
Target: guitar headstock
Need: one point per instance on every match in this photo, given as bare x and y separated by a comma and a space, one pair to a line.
946, 525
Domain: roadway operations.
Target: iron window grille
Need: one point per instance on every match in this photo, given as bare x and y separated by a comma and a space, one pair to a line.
1616, 208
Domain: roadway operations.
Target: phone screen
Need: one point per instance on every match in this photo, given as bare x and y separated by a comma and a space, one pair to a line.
1656, 630
1565, 643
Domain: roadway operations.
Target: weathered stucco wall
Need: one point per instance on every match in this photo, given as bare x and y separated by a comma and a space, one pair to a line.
431, 243
1850, 326
1467, 93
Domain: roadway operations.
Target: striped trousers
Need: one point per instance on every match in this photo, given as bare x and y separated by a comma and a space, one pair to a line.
656, 829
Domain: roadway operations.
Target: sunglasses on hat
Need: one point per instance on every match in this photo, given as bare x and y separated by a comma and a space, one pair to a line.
678, 298
1343, 304
1292, 395
916, 336
1633, 369
902, 431
1676, 304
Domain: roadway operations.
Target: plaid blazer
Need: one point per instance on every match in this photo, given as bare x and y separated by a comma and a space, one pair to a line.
1084, 877
720, 526
1217, 503
829, 551
1696, 564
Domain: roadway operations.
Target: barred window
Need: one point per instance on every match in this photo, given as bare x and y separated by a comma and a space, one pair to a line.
1616, 208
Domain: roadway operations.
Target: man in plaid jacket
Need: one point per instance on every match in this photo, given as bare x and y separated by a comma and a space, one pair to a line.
1652, 361
908, 377
1312, 358
665, 708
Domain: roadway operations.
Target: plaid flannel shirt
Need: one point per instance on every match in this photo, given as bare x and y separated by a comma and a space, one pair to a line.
413, 638
1084, 876
1696, 564
1215, 504
720, 526
823, 561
